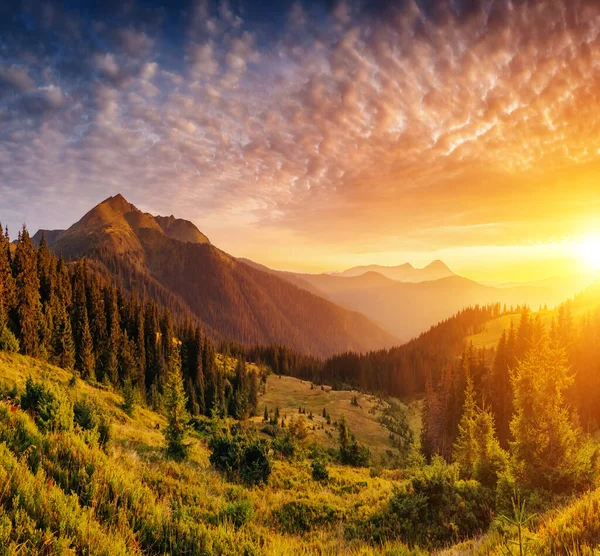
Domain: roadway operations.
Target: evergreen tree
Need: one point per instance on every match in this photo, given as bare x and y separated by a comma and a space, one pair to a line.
546, 438
7, 284
64, 347
464, 447
114, 340
98, 326
28, 295
489, 459
176, 408
84, 346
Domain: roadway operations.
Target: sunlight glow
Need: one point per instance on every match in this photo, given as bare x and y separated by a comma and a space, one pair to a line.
589, 251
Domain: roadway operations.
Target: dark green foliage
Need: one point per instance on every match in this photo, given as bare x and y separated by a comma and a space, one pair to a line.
178, 417
350, 451
238, 513
435, 509
285, 444
89, 417
129, 400
240, 456
49, 405
303, 516
319, 471
29, 309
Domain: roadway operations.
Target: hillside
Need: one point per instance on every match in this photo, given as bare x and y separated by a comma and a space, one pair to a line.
129, 499
175, 261
289, 394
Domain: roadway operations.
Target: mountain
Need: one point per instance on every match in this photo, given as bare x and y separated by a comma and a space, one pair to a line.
402, 273
172, 261
406, 309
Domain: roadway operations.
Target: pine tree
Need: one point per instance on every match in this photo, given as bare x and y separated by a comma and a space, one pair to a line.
28, 295
176, 409
546, 438
7, 284
98, 325
489, 459
63, 345
253, 393
114, 340
84, 347
464, 447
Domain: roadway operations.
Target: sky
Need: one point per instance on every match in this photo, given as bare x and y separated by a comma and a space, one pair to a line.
312, 135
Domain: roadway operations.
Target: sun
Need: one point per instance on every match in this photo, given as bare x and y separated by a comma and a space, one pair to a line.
589, 251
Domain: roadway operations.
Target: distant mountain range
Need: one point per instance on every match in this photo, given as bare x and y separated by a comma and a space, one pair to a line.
401, 273
171, 260
406, 309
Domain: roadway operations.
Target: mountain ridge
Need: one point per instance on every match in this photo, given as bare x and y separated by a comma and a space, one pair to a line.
238, 301
405, 272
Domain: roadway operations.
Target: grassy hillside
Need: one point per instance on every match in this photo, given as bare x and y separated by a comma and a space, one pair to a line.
289, 394
132, 500
492, 330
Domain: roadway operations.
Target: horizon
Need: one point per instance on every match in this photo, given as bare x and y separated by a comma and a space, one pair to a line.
397, 132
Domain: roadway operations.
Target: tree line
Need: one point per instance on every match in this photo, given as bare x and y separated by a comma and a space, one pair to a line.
492, 377
73, 316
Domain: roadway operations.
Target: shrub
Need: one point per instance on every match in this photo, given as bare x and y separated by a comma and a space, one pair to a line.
88, 417
240, 456
285, 445
85, 414
49, 405
301, 516
319, 471
350, 451
437, 507
8, 341
238, 513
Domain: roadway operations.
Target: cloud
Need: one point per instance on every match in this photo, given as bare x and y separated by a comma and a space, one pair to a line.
364, 128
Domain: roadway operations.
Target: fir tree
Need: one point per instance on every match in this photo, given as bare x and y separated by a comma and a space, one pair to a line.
464, 447
546, 438
176, 409
28, 295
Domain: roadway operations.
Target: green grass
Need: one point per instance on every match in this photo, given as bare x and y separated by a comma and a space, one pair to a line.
288, 394
133, 500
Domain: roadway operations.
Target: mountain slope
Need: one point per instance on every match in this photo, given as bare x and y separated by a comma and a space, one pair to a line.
240, 302
406, 309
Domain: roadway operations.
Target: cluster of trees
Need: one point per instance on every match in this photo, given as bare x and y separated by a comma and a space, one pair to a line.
407, 369
491, 374
515, 420
74, 317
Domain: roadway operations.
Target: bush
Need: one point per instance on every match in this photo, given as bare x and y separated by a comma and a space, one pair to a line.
319, 471
238, 513
241, 457
8, 341
437, 507
302, 516
88, 417
285, 445
49, 405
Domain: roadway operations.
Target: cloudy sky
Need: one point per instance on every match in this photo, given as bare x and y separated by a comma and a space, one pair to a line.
313, 135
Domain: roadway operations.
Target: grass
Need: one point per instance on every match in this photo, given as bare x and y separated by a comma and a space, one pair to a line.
490, 335
288, 394
135, 500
